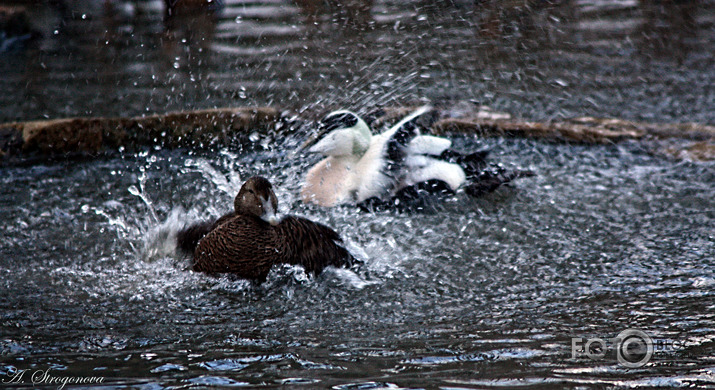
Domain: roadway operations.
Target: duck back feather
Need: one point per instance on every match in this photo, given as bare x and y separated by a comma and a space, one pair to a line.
249, 241
421, 168
244, 245
248, 247
429, 145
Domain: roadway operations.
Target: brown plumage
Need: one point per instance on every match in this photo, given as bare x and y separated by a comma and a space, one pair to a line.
249, 241
187, 239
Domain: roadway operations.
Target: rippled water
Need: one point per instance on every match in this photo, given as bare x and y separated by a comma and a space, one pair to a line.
479, 293
485, 292
646, 60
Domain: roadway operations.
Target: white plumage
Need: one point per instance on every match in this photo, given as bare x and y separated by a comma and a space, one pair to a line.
352, 173
428, 144
422, 168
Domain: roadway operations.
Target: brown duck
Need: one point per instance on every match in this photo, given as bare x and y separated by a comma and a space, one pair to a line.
249, 241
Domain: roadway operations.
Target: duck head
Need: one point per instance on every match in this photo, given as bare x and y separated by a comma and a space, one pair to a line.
256, 197
341, 133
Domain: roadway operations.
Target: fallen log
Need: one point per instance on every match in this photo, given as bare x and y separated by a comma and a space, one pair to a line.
200, 129
224, 126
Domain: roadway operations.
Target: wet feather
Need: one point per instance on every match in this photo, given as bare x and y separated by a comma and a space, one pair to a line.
244, 243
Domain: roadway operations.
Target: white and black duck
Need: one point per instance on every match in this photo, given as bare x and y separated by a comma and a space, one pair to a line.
397, 168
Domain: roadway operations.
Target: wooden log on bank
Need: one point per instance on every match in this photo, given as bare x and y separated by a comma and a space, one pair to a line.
691, 141
584, 130
71, 136
697, 142
223, 127
484, 122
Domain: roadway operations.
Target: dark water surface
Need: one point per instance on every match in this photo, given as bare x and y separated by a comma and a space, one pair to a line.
480, 293
647, 60
484, 292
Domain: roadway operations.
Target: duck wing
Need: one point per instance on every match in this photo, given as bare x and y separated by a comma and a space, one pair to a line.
312, 245
382, 169
188, 238
403, 141
242, 245
419, 160
396, 141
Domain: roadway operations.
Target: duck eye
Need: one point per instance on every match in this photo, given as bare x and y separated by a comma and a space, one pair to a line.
251, 192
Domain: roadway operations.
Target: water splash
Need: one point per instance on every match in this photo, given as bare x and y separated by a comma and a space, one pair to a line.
160, 240
141, 194
227, 183
508, 277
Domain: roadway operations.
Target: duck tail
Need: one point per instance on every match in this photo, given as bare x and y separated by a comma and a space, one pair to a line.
472, 163
489, 180
188, 238
345, 259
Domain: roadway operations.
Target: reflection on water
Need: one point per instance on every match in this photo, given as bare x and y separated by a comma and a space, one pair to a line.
645, 60
484, 293
187, 41
349, 14
669, 28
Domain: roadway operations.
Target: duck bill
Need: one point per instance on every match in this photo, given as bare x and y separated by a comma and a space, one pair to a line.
271, 219
313, 138
269, 213
308, 143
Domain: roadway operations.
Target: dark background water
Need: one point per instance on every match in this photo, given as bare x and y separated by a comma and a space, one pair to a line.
481, 293
650, 60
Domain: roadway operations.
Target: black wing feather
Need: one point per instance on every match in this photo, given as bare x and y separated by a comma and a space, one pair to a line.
312, 245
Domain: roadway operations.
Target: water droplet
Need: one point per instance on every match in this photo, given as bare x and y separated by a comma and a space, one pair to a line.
133, 190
